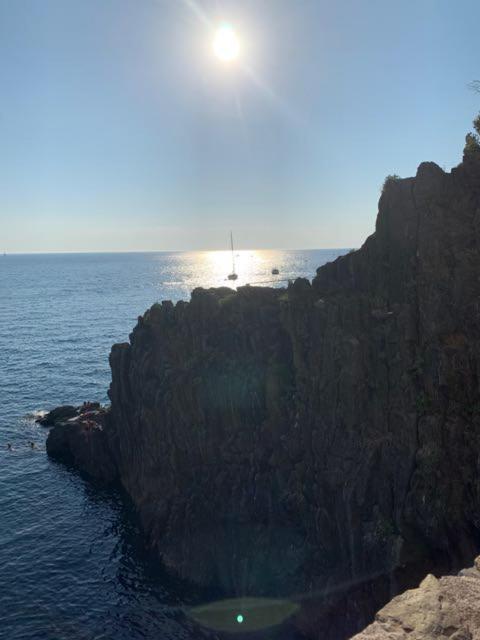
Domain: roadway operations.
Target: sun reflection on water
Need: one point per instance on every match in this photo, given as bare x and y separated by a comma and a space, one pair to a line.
251, 267
180, 273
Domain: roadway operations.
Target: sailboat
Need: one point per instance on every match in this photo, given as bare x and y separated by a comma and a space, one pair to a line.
233, 275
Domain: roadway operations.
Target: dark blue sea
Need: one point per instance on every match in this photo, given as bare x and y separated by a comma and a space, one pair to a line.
72, 563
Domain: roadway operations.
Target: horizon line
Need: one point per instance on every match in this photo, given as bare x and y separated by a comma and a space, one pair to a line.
138, 251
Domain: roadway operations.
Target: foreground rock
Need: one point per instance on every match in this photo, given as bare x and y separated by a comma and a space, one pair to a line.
444, 608
323, 439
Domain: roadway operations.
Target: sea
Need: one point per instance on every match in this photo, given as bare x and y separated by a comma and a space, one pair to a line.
72, 560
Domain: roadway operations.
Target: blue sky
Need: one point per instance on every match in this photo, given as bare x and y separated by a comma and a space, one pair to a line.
120, 130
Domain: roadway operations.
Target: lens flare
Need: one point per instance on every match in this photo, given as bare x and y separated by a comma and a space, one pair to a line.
256, 614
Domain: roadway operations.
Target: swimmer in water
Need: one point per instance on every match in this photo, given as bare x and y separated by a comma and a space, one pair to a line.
32, 445
9, 446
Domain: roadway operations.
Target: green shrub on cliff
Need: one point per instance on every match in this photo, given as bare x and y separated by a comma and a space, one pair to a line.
476, 124
389, 179
472, 144
472, 140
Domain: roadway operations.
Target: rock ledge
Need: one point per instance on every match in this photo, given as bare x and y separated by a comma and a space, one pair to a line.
448, 607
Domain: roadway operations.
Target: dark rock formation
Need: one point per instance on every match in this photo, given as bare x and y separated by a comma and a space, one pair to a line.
322, 439
445, 608
78, 437
58, 415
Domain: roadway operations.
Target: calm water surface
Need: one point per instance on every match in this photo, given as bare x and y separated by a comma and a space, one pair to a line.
72, 563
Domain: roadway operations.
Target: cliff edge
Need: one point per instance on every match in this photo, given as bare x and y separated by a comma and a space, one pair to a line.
445, 608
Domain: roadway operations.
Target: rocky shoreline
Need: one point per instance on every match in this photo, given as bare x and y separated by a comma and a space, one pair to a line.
319, 439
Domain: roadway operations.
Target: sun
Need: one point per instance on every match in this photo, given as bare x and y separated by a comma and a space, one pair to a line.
226, 45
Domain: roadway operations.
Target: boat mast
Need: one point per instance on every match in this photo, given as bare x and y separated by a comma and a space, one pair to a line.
233, 257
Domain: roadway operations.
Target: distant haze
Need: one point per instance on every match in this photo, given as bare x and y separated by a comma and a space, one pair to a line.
121, 131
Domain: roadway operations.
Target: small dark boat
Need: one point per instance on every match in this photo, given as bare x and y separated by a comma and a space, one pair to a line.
275, 272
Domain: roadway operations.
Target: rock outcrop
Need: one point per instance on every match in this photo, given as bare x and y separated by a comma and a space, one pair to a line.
320, 439
78, 437
445, 608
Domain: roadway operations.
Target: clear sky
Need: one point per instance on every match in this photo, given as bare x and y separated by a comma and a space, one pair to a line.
120, 130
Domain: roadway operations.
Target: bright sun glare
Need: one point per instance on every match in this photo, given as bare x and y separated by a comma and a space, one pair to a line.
226, 45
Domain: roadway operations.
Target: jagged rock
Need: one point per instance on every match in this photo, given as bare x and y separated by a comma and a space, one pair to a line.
275, 444
81, 440
59, 414
444, 608
62, 414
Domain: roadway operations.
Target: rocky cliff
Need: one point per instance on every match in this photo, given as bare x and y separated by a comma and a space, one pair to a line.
322, 439
445, 608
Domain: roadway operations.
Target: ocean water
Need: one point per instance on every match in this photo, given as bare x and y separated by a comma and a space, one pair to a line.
72, 562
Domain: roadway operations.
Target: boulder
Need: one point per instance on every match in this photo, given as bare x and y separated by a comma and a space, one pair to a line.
81, 441
58, 415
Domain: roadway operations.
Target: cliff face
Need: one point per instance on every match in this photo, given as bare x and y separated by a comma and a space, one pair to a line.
324, 438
